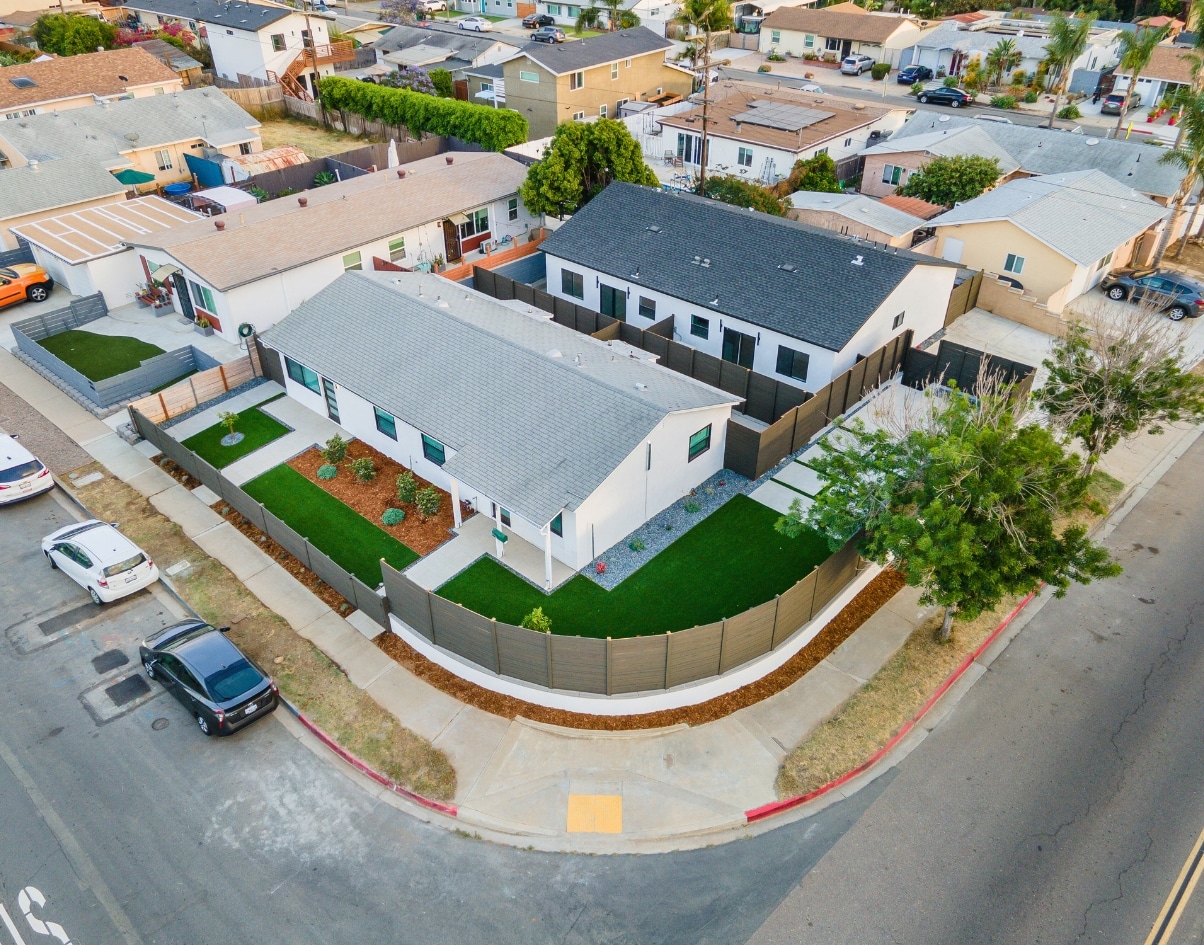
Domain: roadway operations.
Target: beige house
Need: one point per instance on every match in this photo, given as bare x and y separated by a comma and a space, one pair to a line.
834, 32
45, 189
52, 85
1055, 237
862, 218
550, 83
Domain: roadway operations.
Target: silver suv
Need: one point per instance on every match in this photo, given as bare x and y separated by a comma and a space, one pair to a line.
1169, 292
855, 65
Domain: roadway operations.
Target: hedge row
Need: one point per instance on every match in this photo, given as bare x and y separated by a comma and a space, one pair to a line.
492, 128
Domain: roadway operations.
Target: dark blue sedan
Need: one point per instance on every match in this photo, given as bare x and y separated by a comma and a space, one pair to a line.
913, 74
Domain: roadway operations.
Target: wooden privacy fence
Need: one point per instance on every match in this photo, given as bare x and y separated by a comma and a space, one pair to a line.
956, 364
197, 389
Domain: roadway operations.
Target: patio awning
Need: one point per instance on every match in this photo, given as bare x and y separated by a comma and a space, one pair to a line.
131, 177
163, 273
458, 219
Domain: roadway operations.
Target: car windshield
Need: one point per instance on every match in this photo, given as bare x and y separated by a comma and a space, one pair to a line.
20, 471
233, 681
9, 273
125, 565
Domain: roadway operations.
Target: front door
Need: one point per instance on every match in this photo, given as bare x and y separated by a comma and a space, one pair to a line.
181, 285
451, 237
739, 348
332, 401
613, 302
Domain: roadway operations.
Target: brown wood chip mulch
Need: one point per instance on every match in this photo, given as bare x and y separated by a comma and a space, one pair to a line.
176, 473
880, 590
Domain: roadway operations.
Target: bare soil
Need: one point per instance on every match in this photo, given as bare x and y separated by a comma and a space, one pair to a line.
176, 472
312, 138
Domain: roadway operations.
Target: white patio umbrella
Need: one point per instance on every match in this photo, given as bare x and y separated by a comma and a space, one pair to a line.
393, 159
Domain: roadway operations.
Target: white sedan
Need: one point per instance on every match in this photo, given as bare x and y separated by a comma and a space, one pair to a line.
478, 23
100, 559
21, 474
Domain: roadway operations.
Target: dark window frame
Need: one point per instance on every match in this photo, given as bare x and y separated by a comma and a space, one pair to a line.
703, 444
647, 307
301, 376
432, 448
788, 363
700, 327
391, 422
569, 281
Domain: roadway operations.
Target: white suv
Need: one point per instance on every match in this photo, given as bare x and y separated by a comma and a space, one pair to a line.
855, 65
21, 474
99, 558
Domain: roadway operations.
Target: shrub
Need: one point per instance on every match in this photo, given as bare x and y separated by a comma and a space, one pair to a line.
335, 449
1003, 101
393, 516
363, 469
1070, 111
917, 88
810, 56
444, 85
538, 621
1030, 96
951, 82
260, 194
407, 487
764, 67
879, 71
327, 471
692, 507
1019, 77
428, 501
322, 178
636, 545
776, 57
743, 193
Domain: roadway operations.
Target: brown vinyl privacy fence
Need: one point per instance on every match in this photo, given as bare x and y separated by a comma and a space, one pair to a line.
198, 389
954, 364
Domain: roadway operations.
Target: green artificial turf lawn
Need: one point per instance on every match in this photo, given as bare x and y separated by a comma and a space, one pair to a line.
257, 428
341, 533
97, 357
726, 564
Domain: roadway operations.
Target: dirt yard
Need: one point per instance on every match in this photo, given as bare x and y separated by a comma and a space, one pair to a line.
313, 139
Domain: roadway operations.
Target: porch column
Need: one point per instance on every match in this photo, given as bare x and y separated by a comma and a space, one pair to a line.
455, 501
547, 556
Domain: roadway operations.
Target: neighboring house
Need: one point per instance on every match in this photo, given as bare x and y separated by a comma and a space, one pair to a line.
1022, 150
1169, 70
244, 166
759, 132
834, 32
150, 135
52, 85
1173, 26
549, 432
258, 264
183, 65
441, 47
551, 83
263, 41
23, 13
1055, 236
859, 217
87, 251
780, 298
486, 84
43, 188
912, 206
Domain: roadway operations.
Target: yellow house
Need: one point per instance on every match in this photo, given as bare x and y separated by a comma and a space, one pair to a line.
550, 83
34, 88
1055, 237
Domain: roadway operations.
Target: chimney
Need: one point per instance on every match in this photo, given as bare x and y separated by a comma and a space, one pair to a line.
401, 174
304, 201
448, 158
220, 224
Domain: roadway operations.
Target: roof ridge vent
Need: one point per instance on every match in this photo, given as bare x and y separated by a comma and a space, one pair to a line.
859, 261
706, 264
789, 267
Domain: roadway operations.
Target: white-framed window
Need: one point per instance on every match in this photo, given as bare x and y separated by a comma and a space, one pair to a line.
892, 174
278, 43
576, 81
353, 261
1013, 264
623, 101
614, 70
832, 44
163, 159
898, 320
554, 9
397, 249
512, 209
528, 77
601, 111
578, 116
775, 36
744, 157
478, 223
1104, 262
809, 41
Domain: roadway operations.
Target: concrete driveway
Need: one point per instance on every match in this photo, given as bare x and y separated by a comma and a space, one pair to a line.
1003, 338
1193, 328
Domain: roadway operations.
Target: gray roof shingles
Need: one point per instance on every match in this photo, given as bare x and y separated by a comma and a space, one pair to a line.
536, 432
562, 58
232, 14
49, 185
824, 302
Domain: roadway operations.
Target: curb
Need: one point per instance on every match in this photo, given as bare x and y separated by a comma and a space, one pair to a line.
449, 809
773, 808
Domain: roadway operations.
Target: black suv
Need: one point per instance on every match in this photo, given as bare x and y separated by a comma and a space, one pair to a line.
1170, 292
954, 98
536, 20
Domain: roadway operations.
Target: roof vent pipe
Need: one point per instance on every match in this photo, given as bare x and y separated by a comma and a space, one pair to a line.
448, 158
401, 174
859, 261
220, 224
303, 201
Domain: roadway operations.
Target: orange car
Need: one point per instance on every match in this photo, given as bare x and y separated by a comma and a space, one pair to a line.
24, 281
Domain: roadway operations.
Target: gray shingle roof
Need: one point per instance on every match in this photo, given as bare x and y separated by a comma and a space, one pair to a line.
862, 209
1041, 151
562, 58
968, 140
104, 132
466, 44
234, 14
536, 432
51, 185
824, 301
1083, 215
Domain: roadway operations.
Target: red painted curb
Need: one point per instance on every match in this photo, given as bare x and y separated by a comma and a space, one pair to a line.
449, 809
789, 803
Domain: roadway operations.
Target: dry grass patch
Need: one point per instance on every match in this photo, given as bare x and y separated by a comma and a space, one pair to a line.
305, 675
312, 138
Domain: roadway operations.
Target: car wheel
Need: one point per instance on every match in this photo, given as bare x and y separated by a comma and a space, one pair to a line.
1117, 293
203, 724
149, 667
954, 103
1176, 313
37, 293
924, 99
53, 566
95, 596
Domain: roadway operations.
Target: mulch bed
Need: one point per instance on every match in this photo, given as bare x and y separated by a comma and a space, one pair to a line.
176, 473
880, 590
371, 499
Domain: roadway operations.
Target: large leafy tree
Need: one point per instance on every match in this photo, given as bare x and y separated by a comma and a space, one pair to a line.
610, 15
1114, 375
965, 504
743, 193
704, 18
414, 78
1067, 39
1188, 156
817, 174
67, 35
1136, 48
582, 159
950, 180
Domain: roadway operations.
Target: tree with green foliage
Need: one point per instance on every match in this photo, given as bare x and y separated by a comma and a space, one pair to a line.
1188, 156
704, 18
413, 78
742, 193
444, 85
950, 180
1117, 374
1067, 39
817, 174
582, 159
1002, 59
67, 35
538, 621
964, 502
610, 16
1136, 50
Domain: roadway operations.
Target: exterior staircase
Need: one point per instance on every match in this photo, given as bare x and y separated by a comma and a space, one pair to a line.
306, 60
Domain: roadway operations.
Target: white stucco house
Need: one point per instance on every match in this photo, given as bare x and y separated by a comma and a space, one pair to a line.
551, 433
256, 265
779, 297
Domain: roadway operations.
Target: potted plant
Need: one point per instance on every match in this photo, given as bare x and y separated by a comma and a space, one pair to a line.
438, 264
202, 327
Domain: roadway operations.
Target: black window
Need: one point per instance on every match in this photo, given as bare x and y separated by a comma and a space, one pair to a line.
898, 320
504, 515
433, 450
571, 284
302, 375
386, 423
700, 327
557, 525
700, 442
647, 307
793, 363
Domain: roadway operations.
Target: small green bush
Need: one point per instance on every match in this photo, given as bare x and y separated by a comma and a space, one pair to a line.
363, 469
879, 71
538, 621
322, 178
1019, 77
327, 471
636, 545
393, 516
407, 487
763, 68
693, 507
917, 88
1070, 112
335, 450
776, 57
951, 82
428, 501
1030, 96
1003, 101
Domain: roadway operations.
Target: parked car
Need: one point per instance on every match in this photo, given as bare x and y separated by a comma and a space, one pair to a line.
24, 281
954, 98
536, 20
1172, 293
548, 34
913, 74
222, 688
1115, 102
855, 65
96, 556
478, 23
21, 473
432, 6
996, 118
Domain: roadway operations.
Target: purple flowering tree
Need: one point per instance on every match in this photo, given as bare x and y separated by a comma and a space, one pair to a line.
412, 78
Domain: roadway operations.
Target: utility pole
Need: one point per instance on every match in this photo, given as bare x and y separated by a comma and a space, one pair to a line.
706, 106
313, 54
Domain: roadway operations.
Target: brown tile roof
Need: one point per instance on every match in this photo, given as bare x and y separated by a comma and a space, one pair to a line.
840, 24
1158, 21
99, 73
967, 18
914, 206
845, 116
1170, 63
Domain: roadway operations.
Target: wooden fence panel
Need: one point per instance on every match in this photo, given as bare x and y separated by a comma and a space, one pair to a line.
564, 313
873, 367
733, 378
657, 345
544, 300
522, 653
637, 664
243, 504
585, 321
788, 397
762, 395
795, 607
463, 632
741, 450
524, 293
748, 635
707, 368
286, 538
835, 573
664, 327
334, 575
370, 602
631, 334
776, 441
483, 280
608, 333
409, 602
578, 663
808, 421
856, 383
838, 391
680, 359
693, 654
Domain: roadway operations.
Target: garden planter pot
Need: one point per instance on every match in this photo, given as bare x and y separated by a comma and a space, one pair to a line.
206, 331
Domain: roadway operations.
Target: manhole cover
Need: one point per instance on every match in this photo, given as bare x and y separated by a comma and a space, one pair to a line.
53, 625
127, 690
108, 661
159, 724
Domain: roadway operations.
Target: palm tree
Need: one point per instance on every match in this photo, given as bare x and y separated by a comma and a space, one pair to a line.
617, 18
1188, 156
1002, 59
1067, 39
1135, 51
705, 17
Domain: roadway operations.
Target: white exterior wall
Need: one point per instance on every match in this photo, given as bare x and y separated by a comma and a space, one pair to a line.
922, 297
251, 53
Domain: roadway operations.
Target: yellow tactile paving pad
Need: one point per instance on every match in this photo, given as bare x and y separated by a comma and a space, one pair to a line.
595, 813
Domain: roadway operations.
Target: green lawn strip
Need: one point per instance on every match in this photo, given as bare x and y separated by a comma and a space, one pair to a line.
97, 357
257, 428
341, 533
726, 564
